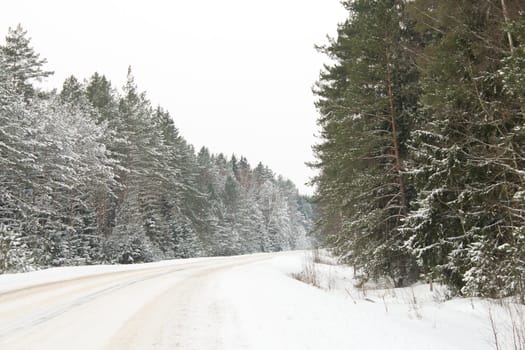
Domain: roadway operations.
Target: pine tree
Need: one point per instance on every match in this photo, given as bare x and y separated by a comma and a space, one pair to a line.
21, 62
102, 97
207, 175
13, 254
366, 100
135, 152
15, 156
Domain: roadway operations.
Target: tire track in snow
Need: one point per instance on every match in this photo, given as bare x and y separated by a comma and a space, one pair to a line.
65, 310
183, 317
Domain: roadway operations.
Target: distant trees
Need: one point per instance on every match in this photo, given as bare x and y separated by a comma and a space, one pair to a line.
447, 74
92, 174
249, 214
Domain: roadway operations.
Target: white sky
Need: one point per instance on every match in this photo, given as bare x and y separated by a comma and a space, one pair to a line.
236, 75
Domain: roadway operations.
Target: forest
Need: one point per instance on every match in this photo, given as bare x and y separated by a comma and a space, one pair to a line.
421, 158
94, 174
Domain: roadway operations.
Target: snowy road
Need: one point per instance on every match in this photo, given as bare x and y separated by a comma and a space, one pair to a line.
149, 308
234, 303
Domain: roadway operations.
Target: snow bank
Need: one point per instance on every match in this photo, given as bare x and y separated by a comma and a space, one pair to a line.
275, 311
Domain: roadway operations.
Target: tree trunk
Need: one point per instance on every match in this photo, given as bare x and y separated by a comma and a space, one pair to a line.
506, 17
394, 132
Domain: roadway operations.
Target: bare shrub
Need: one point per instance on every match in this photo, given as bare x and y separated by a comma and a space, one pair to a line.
494, 329
360, 283
510, 332
330, 283
413, 305
517, 324
323, 257
308, 274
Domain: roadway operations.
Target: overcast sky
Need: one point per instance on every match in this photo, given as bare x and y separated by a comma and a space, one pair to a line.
236, 75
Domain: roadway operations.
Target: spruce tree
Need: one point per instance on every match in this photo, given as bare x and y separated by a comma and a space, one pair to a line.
467, 223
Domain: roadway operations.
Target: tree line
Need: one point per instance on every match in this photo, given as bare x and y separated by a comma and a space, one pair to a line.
92, 174
421, 156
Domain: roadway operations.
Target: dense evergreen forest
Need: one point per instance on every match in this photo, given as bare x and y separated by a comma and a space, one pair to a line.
422, 152
91, 174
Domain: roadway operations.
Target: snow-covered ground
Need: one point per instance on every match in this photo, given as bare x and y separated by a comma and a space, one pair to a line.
246, 302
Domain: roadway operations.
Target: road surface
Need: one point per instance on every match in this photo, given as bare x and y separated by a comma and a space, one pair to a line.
164, 307
234, 303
